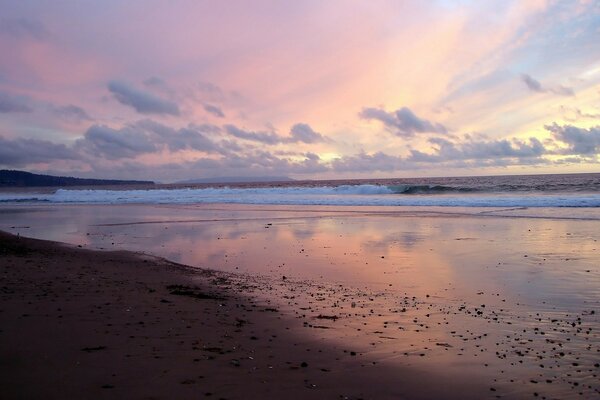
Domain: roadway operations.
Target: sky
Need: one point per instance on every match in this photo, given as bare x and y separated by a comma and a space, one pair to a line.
176, 90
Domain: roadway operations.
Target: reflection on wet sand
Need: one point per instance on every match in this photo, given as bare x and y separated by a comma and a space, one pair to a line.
514, 301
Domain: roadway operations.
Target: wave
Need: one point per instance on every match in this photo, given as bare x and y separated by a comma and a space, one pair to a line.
342, 195
16, 199
429, 189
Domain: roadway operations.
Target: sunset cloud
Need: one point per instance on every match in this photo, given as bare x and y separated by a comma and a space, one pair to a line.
261, 137
110, 143
304, 133
13, 104
536, 86
142, 102
579, 140
145, 137
299, 133
402, 122
478, 149
23, 152
71, 112
362, 161
214, 110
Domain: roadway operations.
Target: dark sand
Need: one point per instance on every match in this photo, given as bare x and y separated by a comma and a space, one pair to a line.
78, 323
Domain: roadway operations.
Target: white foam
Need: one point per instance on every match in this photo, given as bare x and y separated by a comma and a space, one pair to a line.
351, 195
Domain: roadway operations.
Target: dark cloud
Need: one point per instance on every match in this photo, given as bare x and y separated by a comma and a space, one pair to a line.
22, 28
142, 102
71, 112
193, 137
536, 86
563, 90
214, 110
363, 162
255, 164
13, 104
299, 133
312, 156
147, 136
532, 84
580, 140
101, 140
474, 149
188, 138
304, 133
230, 145
20, 152
402, 122
262, 137
503, 149
208, 129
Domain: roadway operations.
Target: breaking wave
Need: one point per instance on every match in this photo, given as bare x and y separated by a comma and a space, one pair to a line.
342, 195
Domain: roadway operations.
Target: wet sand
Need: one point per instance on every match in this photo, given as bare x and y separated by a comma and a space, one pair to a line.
85, 324
325, 304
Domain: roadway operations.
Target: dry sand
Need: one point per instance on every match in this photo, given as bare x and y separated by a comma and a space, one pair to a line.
77, 323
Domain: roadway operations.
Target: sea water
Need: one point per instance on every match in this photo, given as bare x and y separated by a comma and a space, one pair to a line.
573, 190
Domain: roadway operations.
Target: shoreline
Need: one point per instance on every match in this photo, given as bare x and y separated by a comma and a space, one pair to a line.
82, 323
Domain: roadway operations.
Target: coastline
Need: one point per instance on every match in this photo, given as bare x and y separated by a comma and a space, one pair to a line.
79, 323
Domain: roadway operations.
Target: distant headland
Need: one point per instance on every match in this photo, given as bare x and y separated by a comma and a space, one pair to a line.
12, 178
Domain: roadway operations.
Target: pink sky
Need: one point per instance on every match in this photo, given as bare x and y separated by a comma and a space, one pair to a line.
307, 89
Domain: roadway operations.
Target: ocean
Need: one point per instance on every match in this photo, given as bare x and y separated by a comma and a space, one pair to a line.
568, 190
502, 273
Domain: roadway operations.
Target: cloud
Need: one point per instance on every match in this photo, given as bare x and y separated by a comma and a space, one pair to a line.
214, 110
147, 136
256, 163
402, 122
142, 102
563, 90
536, 86
362, 162
502, 149
20, 152
262, 137
10, 104
532, 84
575, 114
304, 133
114, 144
22, 27
71, 112
474, 149
580, 140
188, 138
299, 133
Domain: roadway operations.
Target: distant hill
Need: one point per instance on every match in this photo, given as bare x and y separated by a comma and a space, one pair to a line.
10, 178
238, 179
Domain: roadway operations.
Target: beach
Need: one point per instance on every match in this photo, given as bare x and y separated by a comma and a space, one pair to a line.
300, 200
86, 324
303, 302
